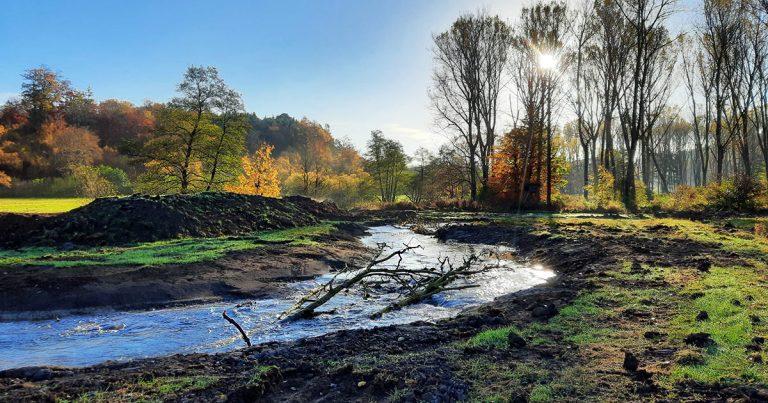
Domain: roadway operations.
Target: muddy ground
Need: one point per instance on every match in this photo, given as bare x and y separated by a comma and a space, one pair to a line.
40, 292
436, 362
144, 218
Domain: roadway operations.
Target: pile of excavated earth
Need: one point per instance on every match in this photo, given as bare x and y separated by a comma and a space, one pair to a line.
142, 218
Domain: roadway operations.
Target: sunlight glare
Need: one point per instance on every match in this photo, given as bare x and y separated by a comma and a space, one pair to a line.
547, 61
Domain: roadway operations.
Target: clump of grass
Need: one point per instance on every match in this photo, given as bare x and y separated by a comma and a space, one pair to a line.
176, 251
175, 385
541, 393
493, 338
262, 374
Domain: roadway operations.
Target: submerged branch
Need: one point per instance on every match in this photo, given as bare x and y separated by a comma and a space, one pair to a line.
237, 325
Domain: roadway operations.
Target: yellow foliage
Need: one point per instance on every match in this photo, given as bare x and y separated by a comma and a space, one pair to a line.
259, 175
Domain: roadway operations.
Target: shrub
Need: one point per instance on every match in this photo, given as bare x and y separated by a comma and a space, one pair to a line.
457, 205
761, 229
91, 183
741, 193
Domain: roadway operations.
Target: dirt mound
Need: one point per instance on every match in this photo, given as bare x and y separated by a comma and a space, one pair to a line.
140, 218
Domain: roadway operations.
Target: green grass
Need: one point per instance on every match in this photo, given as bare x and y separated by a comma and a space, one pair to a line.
729, 325
173, 385
176, 251
40, 205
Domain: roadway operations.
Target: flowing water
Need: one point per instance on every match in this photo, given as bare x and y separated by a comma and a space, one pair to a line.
94, 338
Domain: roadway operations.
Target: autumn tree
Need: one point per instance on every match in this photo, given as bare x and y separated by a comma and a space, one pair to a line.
70, 145
259, 174
7, 159
313, 150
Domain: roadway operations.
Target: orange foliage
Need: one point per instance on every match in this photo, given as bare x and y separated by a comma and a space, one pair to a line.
259, 175
70, 145
7, 159
510, 164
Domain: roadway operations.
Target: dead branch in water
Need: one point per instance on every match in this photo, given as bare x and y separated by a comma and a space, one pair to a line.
413, 285
305, 307
435, 281
237, 325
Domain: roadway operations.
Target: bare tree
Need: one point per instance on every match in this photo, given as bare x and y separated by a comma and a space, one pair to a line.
646, 19
456, 88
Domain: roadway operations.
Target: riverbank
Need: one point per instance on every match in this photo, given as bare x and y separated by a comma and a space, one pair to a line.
42, 283
621, 321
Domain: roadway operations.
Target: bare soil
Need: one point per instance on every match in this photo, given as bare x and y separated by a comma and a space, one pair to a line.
39, 292
420, 361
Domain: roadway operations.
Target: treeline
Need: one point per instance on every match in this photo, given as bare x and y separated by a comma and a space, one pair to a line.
610, 70
55, 140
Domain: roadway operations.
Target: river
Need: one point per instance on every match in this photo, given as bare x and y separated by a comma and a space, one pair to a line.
83, 340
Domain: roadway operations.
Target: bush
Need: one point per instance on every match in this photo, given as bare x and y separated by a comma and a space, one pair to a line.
116, 177
684, 198
42, 187
91, 183
742, 193
457, 205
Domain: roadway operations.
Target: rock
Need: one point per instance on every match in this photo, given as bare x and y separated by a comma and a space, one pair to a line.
689, 357
544, 311
758, 340
696, 295
703, 265
515, 341
753, 347
652, 335
630, 362
31, 373
700, 339
400, 339
361, 384
703, 315
756, 358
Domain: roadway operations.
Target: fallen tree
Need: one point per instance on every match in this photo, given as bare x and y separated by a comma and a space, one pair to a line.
411, 284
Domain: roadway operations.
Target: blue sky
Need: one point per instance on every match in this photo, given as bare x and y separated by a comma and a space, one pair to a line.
355, 65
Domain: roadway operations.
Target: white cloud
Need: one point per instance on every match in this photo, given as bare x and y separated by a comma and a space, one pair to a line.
412, 138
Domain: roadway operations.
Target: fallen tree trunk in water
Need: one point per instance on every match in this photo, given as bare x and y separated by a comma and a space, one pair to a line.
412, 284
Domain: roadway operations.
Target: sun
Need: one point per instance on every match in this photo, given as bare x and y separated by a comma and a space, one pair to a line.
547, 61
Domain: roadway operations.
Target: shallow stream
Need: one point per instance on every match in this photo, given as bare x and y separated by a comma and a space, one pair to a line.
94, 338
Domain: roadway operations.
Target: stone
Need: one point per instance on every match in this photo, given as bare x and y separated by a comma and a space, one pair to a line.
699, 339
515, 341
652, 335
758, 340
630, 362
361, 384
544, 311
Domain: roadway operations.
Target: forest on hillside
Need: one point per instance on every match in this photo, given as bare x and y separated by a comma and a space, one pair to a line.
591, 106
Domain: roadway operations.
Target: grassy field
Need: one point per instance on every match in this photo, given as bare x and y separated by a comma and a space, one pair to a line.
599, 328
174, 251
40, 205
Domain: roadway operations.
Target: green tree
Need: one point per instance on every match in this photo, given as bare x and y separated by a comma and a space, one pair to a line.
387, 164
177, 156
